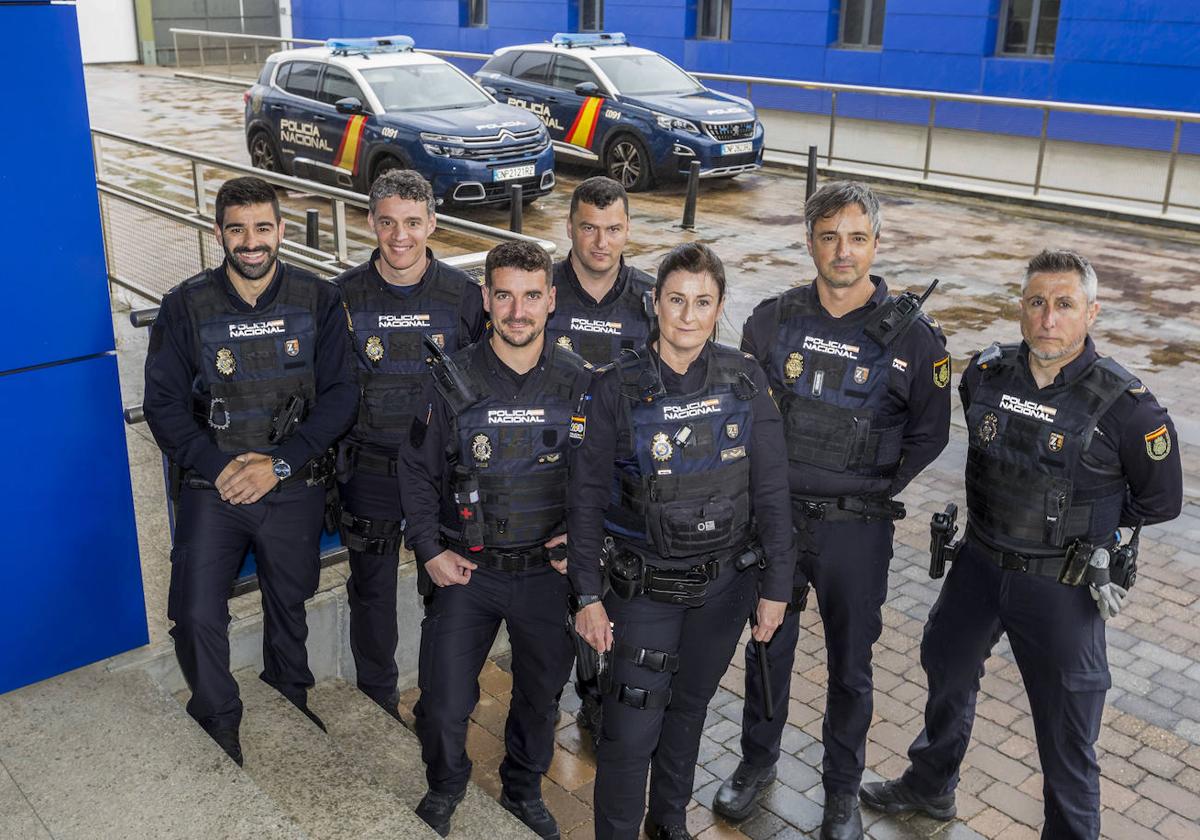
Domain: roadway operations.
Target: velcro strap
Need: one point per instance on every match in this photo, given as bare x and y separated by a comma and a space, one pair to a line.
643, 698
651, 660
375, 462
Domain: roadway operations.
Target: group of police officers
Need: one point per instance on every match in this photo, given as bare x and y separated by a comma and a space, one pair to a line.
484, 424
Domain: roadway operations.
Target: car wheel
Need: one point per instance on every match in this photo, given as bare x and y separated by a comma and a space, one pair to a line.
628, 163
264, 154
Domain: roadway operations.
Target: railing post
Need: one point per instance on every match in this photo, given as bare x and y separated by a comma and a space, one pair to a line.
929, 137
200, 44
810, 181
693, 194
312, 228
750, 92
516, 206
1166, 203
339, 230
199, 192
832, 127
97, 157
1037, 177
175, 47
228, 60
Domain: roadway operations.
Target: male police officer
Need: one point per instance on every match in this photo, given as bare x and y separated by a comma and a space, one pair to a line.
248, 384
395, 299
483, 482
1065, 446
861, 380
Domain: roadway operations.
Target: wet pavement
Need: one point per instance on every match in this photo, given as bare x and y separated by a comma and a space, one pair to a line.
1150, 293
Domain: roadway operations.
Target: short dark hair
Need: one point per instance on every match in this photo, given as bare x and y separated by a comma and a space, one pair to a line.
404, 184
599, 191
693, 257
244, 191
519, 253
832, 197
1060, 262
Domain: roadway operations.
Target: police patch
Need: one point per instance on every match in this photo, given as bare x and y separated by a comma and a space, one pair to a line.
1055, 441
292, 347
1158, 443
549, 458
988, 427
660, 447
564, 341
731, 430
941, 372
225, 364
861, 374
481, 448
900, 365
374, 349
793, 368
578, 428
734, 454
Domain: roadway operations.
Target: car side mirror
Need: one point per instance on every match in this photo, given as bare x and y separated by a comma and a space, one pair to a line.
588, 89
349, 105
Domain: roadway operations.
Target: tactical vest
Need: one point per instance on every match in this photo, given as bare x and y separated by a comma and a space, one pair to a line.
1028, 447
389, 353
600, 333
254, 366
830, 379
682, 484
511, 457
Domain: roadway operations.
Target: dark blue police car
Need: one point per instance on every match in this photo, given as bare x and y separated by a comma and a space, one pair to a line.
627, 109
349, 111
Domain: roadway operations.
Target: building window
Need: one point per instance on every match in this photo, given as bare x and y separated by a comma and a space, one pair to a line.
591, 15
713, 19
1028, 27
473, 12
861, 23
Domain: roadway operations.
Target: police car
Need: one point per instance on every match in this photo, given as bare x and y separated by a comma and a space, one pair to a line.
627, 109
347, 112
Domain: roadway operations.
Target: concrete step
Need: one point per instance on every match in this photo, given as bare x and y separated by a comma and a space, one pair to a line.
391, 755
300, 768
101, 754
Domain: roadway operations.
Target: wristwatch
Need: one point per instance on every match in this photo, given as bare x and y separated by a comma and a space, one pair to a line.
281, 468
578, 602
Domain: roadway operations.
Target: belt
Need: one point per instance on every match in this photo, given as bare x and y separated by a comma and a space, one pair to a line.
847, 508
1043, 565
375, 462
507, 561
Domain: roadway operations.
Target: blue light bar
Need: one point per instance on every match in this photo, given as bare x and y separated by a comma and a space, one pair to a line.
383, 44
571, 40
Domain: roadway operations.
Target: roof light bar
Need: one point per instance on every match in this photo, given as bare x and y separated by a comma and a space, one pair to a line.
573, 40
382, 44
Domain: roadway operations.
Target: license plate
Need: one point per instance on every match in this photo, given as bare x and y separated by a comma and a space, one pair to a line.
513, 172
737, 148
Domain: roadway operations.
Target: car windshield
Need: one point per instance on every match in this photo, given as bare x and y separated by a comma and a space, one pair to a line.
423, 87
646, 74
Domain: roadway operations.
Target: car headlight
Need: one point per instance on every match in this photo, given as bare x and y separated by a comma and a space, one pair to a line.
666, 121
440, 144
543, 138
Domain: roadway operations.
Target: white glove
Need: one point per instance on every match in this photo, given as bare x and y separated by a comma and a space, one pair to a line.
1109, 599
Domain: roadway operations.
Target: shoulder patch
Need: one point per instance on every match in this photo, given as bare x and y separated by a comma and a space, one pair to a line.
941, 372
1158, 443
1137, 389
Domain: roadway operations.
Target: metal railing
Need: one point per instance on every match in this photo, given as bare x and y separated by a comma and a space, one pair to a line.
926, 173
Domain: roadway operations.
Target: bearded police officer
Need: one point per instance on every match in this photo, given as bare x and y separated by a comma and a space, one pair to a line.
248, 384
395, 299
483, 482
861, 378
1065, 447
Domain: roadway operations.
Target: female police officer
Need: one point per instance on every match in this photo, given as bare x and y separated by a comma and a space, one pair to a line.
695, 443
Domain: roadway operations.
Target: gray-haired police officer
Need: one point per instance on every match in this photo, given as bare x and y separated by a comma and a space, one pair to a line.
248, 384
483, 482
862, 380
395, 299
1065, 447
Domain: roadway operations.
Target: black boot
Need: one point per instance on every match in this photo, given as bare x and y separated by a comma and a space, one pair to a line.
842, 818
227, 739
666, 832
896, 797
534, 814
737, 794
436, 809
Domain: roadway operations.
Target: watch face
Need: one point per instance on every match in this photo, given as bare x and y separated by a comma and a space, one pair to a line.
282, 469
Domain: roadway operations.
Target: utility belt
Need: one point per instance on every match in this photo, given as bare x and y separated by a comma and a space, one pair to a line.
317, 472
848, 508
1072, 568
370, 536
629, 575
520, 560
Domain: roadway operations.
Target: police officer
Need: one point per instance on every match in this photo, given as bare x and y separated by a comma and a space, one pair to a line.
483, 482
862, 381
248, 384
693, 437
603, 306
395, 299
1064, 447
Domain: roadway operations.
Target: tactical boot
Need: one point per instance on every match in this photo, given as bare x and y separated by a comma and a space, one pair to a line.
666, 832
735, 799
227, 739
437, 809
842, 818
895, 797
589, 716
533, 813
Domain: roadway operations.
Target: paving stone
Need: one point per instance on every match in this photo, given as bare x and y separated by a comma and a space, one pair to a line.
762, 825
1175, 827
1008, 800
1172, 797
1119, 827
1156, 762
792, 807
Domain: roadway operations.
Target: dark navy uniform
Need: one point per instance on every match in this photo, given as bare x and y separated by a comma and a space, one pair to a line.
862, 417
218, 373
1046, 467
388, 322
695, 467
496, 499
599, 330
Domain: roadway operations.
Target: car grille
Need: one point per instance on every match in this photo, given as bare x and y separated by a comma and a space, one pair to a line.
505, 145
499, 190
727, 131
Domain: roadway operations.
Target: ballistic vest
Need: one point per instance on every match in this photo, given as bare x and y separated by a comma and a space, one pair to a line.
253, 365
1028, 448
388, 348
512, 451
600, 333
682, 484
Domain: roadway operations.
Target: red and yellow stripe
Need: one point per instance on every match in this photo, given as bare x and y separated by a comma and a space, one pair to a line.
583, 129
347, 153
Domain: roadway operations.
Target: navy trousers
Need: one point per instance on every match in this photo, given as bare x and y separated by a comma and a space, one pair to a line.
847, 564
1057, 639
457, 632
371, 589
666, 741
211, 538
